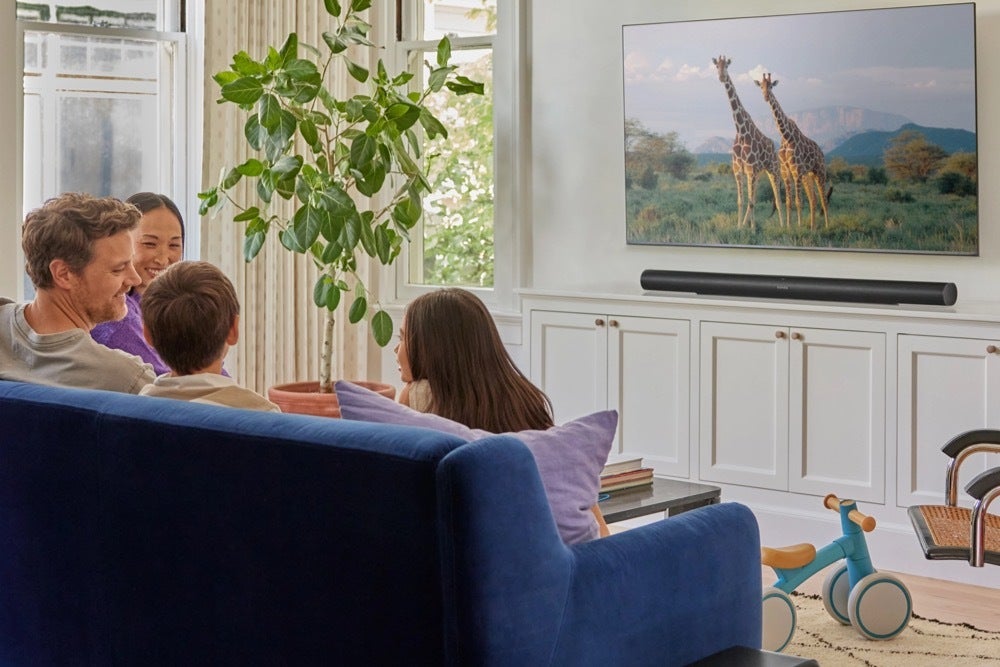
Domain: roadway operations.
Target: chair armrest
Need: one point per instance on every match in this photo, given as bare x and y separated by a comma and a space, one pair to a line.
989, 438
961, 447
667, 593
982, 483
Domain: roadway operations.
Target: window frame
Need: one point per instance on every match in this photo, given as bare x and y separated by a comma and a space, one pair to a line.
510, 188
180, 22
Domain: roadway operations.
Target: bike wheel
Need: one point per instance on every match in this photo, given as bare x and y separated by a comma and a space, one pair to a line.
778, 619
836, 589
879, 606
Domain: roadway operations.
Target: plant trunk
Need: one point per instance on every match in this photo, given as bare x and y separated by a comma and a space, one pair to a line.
326, 356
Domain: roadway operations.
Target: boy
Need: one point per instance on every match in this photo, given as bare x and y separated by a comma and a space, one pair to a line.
190, 315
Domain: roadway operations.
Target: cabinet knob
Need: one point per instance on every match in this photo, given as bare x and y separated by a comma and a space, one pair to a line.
599, 322
796, 336
614, 323
779, 334
991, 349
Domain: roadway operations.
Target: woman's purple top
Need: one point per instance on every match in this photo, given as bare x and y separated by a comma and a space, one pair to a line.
126, 334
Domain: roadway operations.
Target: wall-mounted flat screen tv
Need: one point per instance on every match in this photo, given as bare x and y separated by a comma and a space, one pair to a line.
847, 130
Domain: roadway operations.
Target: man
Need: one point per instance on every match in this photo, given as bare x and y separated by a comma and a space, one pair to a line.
78, 254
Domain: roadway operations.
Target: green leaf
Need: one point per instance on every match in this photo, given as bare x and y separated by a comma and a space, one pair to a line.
370, 181
360, 5
463, 85
432, 126
382, 328
209, 198
308, 130
325, 293
332, 7
244, 90
252, 244
248, 214
443, 52
269, 112
222, 78
254, 133
367, 235
231, 179
402, 79
383, 245
289, 241
306, 224
277, 141
265, 188
363, 149
403, 115
287, 167
244, 65
355, 70
290, 49
351, 232
252, 167
332, 252
358, 310
336, 43
407, 212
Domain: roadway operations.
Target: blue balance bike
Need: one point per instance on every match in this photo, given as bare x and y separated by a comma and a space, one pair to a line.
854, 593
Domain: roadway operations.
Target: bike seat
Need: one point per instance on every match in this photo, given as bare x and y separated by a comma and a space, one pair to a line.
786, 558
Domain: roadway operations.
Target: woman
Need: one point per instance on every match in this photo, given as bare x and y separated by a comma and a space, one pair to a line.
453, 364
159, 242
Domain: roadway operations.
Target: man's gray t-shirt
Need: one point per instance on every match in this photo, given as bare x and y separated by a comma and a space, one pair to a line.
67, 359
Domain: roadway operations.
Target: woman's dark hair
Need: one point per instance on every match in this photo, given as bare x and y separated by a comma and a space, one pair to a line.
150, 201
452, 342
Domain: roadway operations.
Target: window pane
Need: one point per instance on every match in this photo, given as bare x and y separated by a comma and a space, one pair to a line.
457, 241
462, 18
92, 115
103, 13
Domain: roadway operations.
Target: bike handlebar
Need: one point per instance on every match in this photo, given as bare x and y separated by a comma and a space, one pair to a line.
867, 523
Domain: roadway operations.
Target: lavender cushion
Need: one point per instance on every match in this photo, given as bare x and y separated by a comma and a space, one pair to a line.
569, 457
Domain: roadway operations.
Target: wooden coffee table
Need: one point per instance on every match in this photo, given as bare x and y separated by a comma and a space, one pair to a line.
663, 495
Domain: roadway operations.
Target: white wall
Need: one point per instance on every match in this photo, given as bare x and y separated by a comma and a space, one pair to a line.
577, 170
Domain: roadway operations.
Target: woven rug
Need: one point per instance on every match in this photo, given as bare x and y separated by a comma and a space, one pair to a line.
924, 642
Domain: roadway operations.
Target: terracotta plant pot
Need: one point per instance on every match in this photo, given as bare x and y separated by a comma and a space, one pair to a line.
304, 398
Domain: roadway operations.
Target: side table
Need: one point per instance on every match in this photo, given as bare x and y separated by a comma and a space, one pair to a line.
663, 495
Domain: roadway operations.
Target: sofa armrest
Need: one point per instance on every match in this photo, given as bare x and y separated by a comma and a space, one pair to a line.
667, 593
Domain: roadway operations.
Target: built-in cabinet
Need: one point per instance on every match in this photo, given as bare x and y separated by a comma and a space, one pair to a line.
793, 408
947, 385
780, 403
584, 362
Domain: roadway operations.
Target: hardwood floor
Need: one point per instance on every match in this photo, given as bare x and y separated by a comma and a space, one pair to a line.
934, 598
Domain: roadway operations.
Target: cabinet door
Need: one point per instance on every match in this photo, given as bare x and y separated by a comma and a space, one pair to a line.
743, 404
946, 386
649, 383
836, 413
569, 361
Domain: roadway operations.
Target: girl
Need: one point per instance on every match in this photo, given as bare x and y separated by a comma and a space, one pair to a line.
159, 242
453, 364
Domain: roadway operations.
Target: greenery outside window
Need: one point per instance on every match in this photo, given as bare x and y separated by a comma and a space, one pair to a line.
466, 237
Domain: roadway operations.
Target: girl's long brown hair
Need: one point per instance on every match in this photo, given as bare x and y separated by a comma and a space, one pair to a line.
452, 342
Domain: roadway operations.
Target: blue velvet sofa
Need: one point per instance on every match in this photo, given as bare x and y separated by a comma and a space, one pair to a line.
140, 531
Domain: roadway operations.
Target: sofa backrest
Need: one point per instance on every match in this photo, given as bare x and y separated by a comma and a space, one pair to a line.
138, 530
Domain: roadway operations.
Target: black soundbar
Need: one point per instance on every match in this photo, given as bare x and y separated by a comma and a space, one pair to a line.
797, 287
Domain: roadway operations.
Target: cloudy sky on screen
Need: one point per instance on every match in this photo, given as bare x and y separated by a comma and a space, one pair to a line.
918, 62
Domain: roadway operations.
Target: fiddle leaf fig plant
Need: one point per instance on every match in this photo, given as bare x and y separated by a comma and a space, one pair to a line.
353, 167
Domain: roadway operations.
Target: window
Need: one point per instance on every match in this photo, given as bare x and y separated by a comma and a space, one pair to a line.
466, 237
104, 107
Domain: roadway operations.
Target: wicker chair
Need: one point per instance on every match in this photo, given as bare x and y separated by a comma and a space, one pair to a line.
950, 532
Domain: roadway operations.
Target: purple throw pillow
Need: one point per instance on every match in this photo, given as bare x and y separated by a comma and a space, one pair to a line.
569, 457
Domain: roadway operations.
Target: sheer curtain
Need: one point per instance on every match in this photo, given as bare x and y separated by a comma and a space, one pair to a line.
281, 328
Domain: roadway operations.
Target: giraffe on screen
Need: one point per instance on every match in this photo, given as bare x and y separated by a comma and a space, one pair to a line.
802, 162
753, 152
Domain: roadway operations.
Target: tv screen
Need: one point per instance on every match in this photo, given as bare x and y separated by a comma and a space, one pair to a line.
848, 130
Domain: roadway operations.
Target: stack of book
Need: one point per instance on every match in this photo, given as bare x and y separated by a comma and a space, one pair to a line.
624, 474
